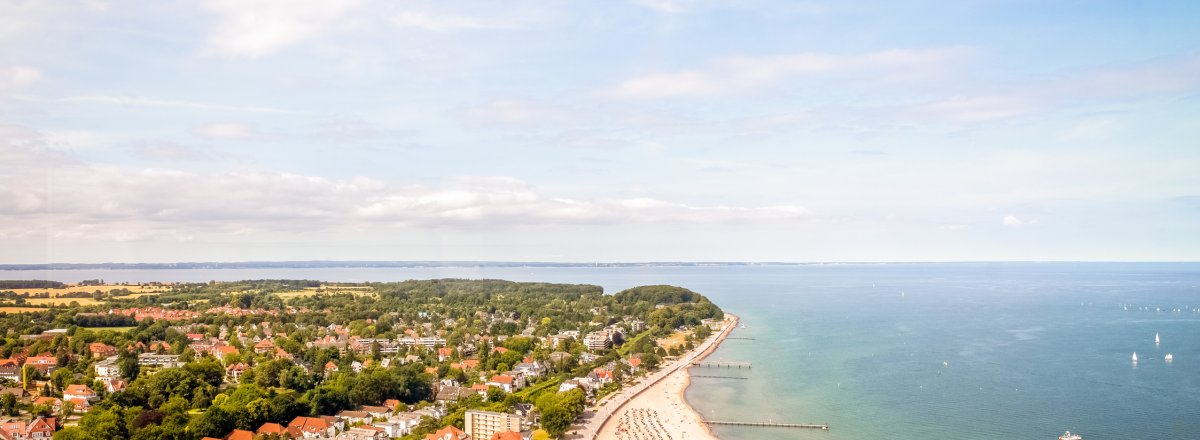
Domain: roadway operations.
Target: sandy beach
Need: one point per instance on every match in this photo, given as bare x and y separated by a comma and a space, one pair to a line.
655, 408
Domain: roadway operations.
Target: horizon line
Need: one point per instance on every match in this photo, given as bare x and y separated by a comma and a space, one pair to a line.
299, 264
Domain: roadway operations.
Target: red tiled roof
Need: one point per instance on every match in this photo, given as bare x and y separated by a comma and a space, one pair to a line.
447, 432
506, 435
271, 428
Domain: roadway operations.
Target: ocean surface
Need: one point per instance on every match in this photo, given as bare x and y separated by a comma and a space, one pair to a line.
905, 351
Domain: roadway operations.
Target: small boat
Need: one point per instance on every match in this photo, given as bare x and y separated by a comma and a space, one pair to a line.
1169, 357
743, 325
1069, 436
1135, 357
1156, 339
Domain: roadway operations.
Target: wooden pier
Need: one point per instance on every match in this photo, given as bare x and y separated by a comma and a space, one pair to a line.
744, 339
722, 364
821, 426
719, 377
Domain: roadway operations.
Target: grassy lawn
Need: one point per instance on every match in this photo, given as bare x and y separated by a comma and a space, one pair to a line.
676, 339
541, 434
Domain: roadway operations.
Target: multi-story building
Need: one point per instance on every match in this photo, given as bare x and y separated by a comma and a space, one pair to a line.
484, 424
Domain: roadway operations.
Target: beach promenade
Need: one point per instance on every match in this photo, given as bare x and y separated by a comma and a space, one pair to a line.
653, 407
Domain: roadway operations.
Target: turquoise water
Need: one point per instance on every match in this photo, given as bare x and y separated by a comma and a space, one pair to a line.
1030, 350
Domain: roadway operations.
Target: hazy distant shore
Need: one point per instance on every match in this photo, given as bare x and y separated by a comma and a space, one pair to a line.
371, 264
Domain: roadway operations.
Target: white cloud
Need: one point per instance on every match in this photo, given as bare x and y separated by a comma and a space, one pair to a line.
447, 22
665, 6
170, 103
514, 112
15, 77
225, 130
740, 74
255, 28
122, 203
981, 108
169, 152
1013, 221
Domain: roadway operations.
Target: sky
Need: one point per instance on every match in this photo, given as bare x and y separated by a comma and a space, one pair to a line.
599, 131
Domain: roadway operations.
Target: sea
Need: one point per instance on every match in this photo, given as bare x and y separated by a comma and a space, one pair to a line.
902, 351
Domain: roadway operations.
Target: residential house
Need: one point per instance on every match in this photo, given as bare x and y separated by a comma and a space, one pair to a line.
530, 368
45, 363
354, 417
41, 428
17, 392
363, 433
446, 395
107, 368
54, 403
376, 411
448, 433
400, 425
506, 382
224, 351
101, 350
235, 371
311, 427
265, 346
271, 428
239, 434
81, 406
159, 360
509, 435
114, 385
10, 370
80, 392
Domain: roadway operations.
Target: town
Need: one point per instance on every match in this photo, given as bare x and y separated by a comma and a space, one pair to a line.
275, 359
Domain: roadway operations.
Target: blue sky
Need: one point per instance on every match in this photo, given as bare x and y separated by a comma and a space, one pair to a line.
650, 130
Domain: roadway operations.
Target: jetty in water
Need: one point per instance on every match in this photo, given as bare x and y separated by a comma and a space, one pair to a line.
720, 364
820, 426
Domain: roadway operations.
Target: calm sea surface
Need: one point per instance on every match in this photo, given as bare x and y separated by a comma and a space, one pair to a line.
906, 351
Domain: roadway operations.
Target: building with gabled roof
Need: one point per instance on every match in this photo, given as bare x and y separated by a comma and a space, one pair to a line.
310, 427
448, 433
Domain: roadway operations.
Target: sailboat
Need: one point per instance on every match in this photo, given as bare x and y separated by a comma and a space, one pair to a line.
1156, 339
1135, 357
1169, 357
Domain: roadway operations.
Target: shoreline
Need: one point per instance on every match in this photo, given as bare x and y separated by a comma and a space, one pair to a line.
659, 402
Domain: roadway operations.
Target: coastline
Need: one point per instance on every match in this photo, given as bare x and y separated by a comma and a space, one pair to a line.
658, 402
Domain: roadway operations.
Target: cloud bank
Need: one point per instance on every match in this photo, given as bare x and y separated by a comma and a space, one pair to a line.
43, 189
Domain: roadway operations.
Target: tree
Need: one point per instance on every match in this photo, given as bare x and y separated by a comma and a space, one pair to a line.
215, 422
68, 409
128, 365
8, 404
